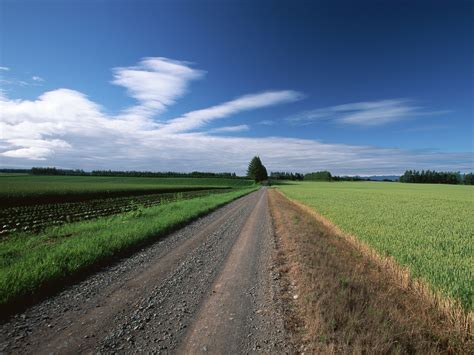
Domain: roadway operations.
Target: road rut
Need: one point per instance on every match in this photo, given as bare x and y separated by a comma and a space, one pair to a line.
208, 287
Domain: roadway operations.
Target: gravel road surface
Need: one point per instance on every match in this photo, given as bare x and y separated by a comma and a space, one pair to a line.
207, 288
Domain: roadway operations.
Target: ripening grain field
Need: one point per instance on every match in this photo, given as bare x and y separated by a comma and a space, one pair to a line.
427, 228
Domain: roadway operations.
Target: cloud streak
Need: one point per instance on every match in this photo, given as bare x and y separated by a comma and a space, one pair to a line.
367, 114
199, 118
230, 129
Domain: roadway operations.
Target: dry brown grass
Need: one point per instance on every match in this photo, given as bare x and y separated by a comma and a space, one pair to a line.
347, 301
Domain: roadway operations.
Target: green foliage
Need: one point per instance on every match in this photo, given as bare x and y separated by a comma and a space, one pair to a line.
283, 175
318, 176
427, 228
128, 173
468, 179
256, 170
28, 262
435, 177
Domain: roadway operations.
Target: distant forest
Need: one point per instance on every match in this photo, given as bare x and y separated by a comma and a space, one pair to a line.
410, 176
283, 175
79, 172
435, 177
316, 176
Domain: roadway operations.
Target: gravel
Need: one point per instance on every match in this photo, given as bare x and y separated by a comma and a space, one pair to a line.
149, 301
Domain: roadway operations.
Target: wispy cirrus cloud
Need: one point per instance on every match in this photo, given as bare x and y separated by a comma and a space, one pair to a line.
370, 113
266, 122
230, 129
14, 81
199, 118
37, 78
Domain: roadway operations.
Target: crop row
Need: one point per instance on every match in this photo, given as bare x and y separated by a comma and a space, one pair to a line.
37, 217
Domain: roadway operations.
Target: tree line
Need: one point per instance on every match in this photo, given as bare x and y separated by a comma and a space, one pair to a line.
319, 176
257, 171
437, 177
131, 173
283, 175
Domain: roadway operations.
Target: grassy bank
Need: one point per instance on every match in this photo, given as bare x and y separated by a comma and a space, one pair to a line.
29, 263
427, 228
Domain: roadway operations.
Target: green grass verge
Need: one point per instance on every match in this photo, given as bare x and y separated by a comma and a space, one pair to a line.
28, 263
427, 228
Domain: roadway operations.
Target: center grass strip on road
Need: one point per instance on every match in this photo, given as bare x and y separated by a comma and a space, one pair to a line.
29, 263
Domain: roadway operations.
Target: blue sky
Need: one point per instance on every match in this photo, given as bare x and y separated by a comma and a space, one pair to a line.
366, 87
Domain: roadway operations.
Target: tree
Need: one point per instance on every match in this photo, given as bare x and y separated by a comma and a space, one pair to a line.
468, 179
319, 176
257, 170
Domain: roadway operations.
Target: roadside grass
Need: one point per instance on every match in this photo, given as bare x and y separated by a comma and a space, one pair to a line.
428, 229
30, 263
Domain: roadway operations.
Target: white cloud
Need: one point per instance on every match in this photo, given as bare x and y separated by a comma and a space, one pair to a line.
199, 118
35, 149
65, 128
238, 128
372, 113
4, 68
37, 78
155, 83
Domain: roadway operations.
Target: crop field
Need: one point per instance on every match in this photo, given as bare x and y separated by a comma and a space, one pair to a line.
20, 190
34, 218
427, 228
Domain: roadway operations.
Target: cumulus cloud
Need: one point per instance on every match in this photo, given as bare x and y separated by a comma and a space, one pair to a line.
64, 128
371, 113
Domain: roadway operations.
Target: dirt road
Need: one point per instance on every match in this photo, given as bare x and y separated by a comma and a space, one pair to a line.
209, 287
